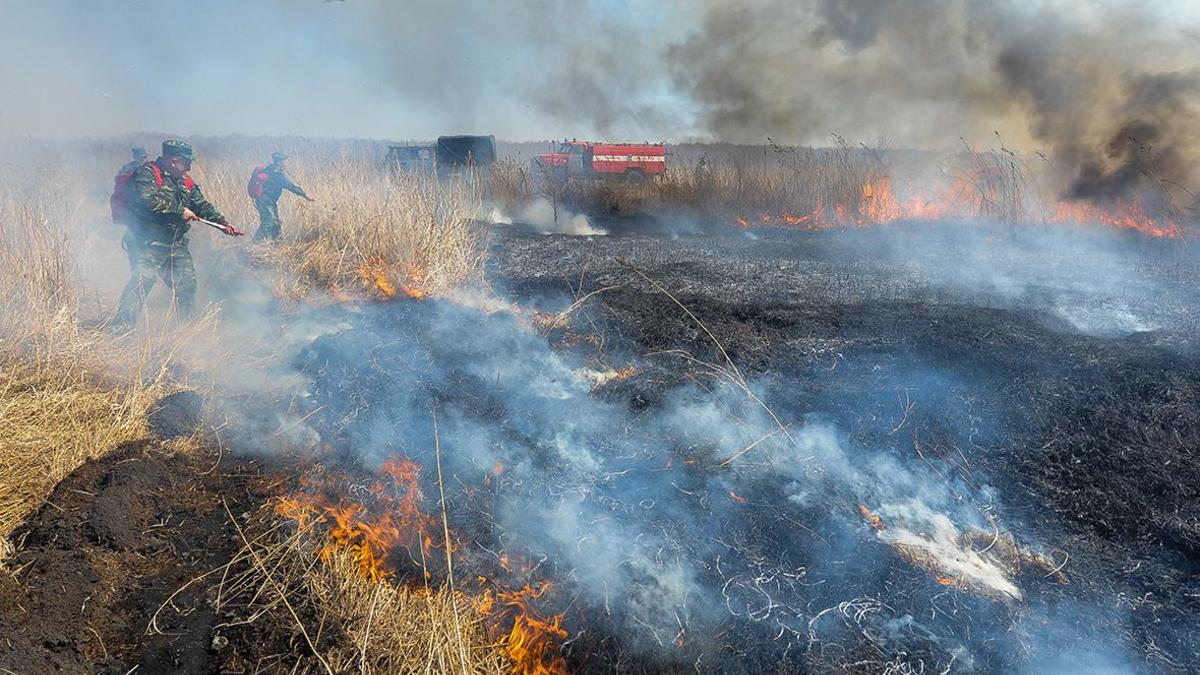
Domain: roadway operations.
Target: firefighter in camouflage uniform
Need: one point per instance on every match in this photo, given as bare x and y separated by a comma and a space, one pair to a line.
120, 200
266, 185
139, 158
162, 202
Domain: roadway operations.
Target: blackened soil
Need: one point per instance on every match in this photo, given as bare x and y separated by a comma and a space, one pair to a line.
1079, 408
175, 415
113, 542
1067, 383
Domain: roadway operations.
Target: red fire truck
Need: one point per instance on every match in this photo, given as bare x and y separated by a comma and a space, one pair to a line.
582, 159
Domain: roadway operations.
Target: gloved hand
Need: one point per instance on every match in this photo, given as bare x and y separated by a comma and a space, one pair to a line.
188, 215
232, 231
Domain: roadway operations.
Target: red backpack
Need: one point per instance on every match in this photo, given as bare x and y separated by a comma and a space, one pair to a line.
118, 203
258, 182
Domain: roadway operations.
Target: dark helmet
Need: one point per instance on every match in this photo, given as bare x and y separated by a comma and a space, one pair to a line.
278, 157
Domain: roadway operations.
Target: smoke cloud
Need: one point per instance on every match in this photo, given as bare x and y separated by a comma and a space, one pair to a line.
1111, 90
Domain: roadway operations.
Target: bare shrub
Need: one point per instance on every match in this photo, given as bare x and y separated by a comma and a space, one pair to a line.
512, 184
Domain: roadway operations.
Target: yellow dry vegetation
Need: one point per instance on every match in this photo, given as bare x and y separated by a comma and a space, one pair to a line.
61, 402
369, 230
350, 622
71, 391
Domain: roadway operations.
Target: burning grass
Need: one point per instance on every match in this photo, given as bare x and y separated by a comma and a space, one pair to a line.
358, 573
369, 232
69, 393
376, 569
348, 621
816, 189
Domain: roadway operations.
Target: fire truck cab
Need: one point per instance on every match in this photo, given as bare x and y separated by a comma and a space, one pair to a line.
584, 159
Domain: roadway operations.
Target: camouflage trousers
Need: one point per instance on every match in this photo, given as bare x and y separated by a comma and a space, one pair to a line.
169, 260
269, 226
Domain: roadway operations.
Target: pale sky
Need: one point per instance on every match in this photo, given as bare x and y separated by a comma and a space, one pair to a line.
365, 68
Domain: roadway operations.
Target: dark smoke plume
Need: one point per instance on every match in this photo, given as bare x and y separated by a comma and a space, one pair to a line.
1111, 91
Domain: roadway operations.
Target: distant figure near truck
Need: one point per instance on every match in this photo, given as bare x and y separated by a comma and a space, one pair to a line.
634, 162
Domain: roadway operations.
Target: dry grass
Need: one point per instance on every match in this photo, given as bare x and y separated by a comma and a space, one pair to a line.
837, 185
70, 393
368, 230
788, 179
61, 401
350, 623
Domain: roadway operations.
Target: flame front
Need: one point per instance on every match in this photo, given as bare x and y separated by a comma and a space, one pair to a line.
532, 644
874, 520
370, 532
969, 197
386, 516
377, 275
374, 273
1120, 215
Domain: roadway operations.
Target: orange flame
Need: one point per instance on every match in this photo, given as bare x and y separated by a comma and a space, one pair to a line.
376, 273
736, 497
1120, 215
417, 284
414, 292
947, 581
533, 642
875, 521
386, 516
371, 531
878, 204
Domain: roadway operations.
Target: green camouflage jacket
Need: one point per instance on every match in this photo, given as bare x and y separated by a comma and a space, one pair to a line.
277, 182
157, 212
130, 167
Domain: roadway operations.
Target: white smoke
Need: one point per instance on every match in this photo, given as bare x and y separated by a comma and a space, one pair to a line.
543, 216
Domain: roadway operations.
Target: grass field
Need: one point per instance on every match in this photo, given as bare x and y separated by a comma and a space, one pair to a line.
72, 390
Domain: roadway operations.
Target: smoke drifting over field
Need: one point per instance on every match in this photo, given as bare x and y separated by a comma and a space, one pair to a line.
671, 513
1111, 90
1108, 90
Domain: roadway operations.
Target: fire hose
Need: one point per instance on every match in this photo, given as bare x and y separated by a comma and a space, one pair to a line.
227, 229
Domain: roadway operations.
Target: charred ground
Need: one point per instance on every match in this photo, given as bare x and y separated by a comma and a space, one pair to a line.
1087, 429
1061, 382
